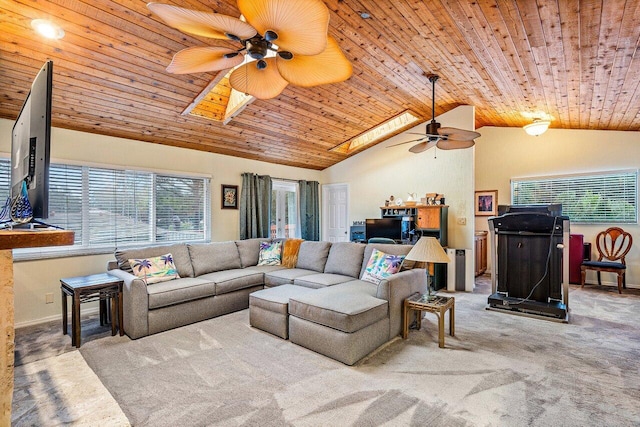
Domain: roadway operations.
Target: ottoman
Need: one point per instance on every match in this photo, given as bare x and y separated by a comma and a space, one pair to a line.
345, 321
269, 308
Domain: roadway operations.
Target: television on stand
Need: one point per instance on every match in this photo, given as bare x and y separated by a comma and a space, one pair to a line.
30, 155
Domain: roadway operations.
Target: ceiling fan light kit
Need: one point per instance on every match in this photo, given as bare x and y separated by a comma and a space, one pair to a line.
537, 128
287, 41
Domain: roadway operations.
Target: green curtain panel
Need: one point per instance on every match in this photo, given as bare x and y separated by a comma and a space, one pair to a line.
255, 206
309, 210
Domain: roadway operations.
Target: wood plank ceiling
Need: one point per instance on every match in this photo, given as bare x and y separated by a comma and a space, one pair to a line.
575, 60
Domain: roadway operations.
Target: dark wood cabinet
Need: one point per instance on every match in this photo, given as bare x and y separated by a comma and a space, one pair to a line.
481, 252
430, 221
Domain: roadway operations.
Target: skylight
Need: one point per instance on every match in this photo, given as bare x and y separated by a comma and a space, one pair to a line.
382, 131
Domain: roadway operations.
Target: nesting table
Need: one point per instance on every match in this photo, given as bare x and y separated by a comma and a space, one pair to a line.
101, 287
439, 306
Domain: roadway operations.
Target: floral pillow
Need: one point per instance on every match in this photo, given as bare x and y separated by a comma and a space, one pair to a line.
270, 253
156, 269
381, 265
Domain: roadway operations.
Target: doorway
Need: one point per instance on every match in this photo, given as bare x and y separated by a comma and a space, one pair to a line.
335, 212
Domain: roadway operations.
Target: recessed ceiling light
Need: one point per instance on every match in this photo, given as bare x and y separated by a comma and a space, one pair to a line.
47, 29
365, 15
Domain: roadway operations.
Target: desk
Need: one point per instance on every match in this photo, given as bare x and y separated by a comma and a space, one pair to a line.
438, 306
102, 287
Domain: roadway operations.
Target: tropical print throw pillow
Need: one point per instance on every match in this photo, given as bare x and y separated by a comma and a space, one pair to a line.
156, 269
270, 253
381, 265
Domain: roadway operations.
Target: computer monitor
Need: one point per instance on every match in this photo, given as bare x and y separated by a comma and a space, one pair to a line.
391, 228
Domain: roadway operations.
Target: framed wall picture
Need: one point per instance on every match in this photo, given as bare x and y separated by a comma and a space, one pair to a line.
487, 203
229, 196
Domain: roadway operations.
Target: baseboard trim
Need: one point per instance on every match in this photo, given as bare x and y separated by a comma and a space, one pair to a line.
55, 317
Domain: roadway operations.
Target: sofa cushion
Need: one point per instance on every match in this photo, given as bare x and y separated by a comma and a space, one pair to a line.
231, 280
249, 251
313, 255
179, 251
345, 307
285, 276
217, 256
384, 247
381, 265
178, 291
265, 268
270, 253
155, 269
276, 299
345, 258
321, 280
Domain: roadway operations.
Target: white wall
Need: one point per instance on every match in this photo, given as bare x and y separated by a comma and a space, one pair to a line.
33, 279
505, 153
379, 172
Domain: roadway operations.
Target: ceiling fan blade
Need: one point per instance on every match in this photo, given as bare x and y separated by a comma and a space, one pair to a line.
406, 142
263, 83
428, 135
331, 66
455, 134
206, 24
300, 25
423, 146
452, 144
203, 59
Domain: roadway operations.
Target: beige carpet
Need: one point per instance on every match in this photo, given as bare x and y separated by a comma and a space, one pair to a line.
500, 369
62, 390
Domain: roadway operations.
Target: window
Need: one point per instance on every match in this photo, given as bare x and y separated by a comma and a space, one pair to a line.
284, 209
110, 208
607, 197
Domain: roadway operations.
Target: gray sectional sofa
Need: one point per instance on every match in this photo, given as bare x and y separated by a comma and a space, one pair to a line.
324, 307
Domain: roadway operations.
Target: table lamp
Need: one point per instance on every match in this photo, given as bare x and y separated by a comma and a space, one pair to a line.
427, 250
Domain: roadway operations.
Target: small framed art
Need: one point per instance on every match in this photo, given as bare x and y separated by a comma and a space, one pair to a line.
487, 203
229, 196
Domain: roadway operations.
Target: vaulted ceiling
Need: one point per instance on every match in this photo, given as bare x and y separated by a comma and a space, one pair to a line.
575, 60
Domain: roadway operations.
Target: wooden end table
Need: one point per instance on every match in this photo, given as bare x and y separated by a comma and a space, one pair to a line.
102, 287
439, 306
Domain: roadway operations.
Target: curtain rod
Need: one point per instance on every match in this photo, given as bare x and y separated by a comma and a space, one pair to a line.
287, 179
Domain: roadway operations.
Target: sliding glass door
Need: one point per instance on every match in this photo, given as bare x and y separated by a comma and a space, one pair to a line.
284, 209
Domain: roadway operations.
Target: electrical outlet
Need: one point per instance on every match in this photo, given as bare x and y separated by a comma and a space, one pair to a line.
48, 298
462, 221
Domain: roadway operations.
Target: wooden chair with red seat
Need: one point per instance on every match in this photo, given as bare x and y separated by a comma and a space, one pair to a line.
613, 244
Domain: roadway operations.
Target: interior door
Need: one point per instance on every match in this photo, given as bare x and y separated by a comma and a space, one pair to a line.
335, 212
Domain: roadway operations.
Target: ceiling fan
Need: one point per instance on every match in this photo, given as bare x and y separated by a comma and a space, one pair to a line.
445, 138
287, 41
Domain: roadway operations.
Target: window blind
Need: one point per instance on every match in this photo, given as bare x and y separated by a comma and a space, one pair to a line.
607, 197
109, 208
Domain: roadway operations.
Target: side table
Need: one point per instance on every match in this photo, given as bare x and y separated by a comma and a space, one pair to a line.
439, 306
94, 287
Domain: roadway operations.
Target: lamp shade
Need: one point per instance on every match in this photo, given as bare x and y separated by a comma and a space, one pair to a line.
427, 249
537, 128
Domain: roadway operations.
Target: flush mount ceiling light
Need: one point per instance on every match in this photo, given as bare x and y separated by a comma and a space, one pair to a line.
47, 29
537, 128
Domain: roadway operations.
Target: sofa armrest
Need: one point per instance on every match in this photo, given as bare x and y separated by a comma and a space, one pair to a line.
135, 304
112, 265
395, 289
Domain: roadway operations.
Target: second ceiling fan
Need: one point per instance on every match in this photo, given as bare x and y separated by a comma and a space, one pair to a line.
287, 39
445, 138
